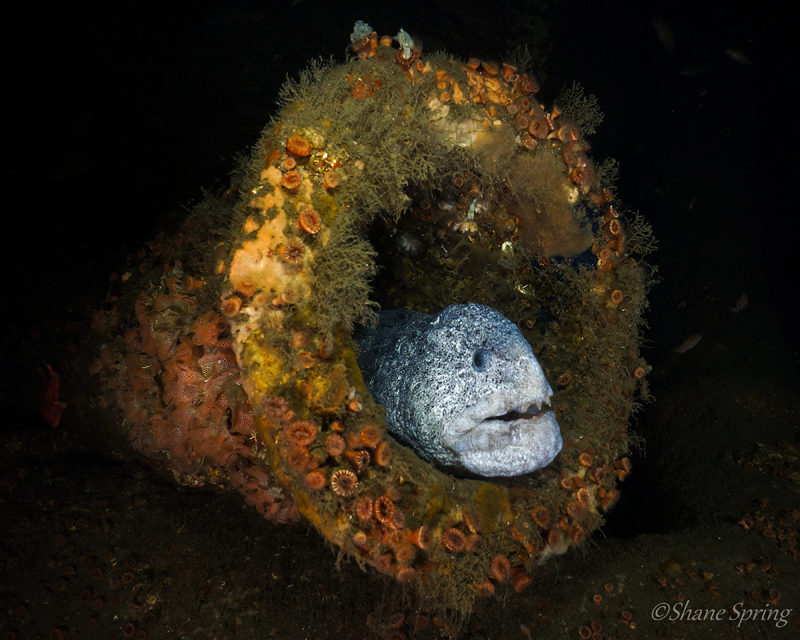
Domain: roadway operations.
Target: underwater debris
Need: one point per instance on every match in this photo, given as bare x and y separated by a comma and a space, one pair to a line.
226, 356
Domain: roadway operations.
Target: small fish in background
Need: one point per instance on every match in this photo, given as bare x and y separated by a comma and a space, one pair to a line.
737, 55
741, 303
691, 203
689, 343
699, 68
664, 33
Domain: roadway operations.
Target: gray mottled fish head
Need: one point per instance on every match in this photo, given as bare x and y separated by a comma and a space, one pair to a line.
488, 392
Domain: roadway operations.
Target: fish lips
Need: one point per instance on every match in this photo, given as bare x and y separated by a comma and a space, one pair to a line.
491, 442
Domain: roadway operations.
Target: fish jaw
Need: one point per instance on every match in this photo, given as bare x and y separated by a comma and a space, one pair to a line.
509, 448
505, 434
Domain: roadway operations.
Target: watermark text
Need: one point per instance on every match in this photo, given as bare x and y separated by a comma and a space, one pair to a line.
738, 613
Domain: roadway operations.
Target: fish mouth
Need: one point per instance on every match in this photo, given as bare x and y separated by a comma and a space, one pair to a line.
492, 409
529, 411
496, 414
493, 439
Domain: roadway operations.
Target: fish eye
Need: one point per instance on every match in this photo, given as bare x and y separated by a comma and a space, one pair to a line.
479, 360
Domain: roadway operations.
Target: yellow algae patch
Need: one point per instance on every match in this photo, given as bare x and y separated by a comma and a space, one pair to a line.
277, 198
306, 189
256, 265
494, 506
305, 506
249, 226
265, 366
328, 388
327, 209
266, 202
272, 175
350, 361
493, 144
550, 225
439, 500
